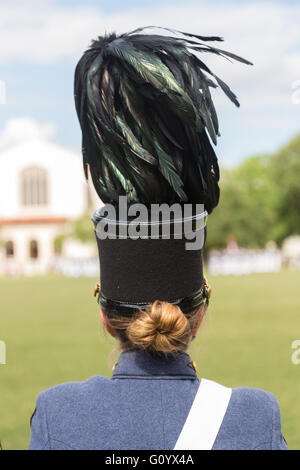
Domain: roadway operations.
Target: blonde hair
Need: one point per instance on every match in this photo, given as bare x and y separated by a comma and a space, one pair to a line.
162, 327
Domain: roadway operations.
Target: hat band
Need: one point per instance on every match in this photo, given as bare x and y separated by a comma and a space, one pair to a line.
186, 304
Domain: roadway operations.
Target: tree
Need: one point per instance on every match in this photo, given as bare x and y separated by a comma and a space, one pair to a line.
247, 206
286, 176
80, 229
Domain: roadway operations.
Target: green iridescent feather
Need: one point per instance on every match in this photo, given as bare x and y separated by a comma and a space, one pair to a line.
147, 116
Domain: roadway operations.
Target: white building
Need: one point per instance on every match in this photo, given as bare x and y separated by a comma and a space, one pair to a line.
42, 185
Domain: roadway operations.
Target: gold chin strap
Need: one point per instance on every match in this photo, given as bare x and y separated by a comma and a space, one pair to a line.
206, 289
96, 289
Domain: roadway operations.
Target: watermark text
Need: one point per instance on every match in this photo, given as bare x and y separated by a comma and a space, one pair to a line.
2, 352
296, 354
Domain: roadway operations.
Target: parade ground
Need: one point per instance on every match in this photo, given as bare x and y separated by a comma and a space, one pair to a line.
51, 329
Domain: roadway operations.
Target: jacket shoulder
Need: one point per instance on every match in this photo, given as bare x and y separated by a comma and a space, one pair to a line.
58, 407
67, 390
256, 415
255, 399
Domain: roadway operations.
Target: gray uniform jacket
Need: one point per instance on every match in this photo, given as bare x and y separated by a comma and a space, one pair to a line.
144, 405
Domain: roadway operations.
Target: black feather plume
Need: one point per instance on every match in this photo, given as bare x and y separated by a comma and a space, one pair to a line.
147, 117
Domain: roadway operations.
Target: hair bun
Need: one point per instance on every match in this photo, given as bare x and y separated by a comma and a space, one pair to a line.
161, 328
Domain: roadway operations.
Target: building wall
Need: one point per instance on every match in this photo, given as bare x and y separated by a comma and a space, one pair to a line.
67, 186
67, 199
22, 235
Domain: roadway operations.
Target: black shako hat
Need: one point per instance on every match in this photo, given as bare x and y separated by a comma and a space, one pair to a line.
148, 122
163, 262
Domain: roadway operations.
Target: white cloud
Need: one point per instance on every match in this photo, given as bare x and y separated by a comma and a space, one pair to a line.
18, 130
266, 33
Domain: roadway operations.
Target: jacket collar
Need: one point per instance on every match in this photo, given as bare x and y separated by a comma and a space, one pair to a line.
142, 364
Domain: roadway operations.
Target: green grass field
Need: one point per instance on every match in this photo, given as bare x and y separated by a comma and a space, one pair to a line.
53, 335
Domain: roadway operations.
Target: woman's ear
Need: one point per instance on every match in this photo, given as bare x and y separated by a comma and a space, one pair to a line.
202, 311
108, 328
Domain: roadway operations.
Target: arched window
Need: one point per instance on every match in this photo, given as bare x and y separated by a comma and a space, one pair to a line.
33, 249
34, 186
9, 249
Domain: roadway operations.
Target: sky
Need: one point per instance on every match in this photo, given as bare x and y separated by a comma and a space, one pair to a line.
42, 40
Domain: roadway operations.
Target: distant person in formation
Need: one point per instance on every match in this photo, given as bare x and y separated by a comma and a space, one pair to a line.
148, 124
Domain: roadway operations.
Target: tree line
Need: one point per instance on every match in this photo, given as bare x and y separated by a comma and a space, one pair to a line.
260, 200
